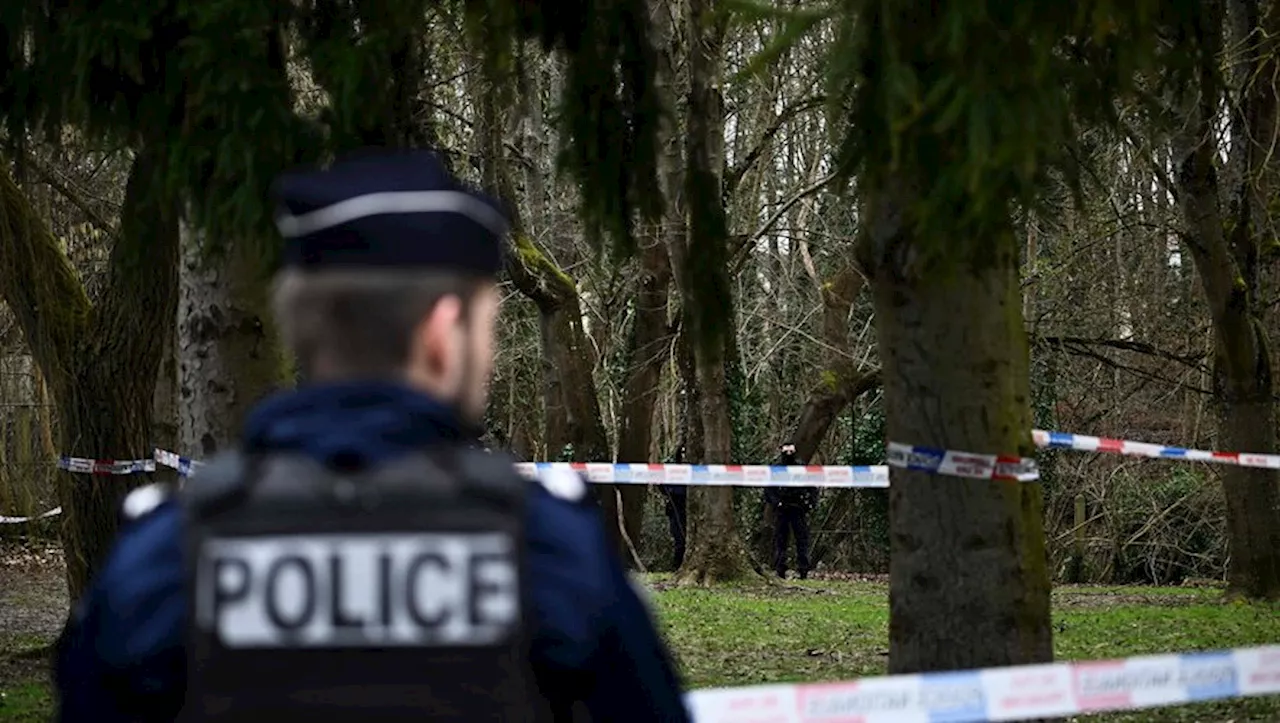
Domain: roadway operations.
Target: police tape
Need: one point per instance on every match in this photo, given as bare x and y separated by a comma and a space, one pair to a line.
736, 475
81, 465
1016, 693
184, 465
19, 520
1129, 448
962, 464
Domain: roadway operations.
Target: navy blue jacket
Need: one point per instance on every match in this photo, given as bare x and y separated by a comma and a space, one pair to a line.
121, 657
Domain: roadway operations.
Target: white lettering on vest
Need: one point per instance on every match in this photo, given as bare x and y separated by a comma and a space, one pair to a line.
419, 589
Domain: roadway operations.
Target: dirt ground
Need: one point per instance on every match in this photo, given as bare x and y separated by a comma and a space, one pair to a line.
33, 607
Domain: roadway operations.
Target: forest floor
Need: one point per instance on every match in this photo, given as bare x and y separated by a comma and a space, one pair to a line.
827, 629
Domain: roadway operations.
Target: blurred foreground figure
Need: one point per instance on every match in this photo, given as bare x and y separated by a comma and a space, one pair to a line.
358, 558
791, 507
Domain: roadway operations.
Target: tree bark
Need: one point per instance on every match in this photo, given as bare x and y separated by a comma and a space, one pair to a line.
1225, 249
164, 408
968, 584
572, 407
715, 549
101, 360
647, 352
229, 355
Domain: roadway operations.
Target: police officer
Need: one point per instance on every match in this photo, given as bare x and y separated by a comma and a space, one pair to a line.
791, 507
675, 500
355, 561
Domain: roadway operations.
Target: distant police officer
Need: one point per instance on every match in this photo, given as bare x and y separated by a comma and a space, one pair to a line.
676, 505
359, 559
791, 507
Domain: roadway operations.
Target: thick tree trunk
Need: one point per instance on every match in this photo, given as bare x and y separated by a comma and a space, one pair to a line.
647, 352
716, 552
715, 548
1227, 264
102, 361
229, 355
570, 402
969, 586
164, 407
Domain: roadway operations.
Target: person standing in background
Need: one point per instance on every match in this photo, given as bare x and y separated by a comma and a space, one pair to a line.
676, 504
791, 507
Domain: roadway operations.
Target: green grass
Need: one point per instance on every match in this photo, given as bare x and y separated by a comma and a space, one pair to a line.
820, 630
826, 631
25, 703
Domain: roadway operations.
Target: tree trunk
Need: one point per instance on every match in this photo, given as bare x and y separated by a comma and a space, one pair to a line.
164, 408
101, 361
647, 351
715, 548
968, 583
571, 406
1226, 261
229, 355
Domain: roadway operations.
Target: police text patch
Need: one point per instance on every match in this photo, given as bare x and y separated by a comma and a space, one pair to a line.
412, 589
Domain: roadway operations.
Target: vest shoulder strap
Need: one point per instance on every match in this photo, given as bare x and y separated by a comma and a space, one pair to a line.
444, 471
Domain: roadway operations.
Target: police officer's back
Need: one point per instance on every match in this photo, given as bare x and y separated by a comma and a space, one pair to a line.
358, 559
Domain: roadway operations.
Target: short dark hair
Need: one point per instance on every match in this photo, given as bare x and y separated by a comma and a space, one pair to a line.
359, 322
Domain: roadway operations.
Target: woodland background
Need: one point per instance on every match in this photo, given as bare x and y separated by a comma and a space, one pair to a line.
593, 363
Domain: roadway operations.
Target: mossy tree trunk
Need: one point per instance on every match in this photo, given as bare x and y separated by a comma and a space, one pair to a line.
571, 405
101, 360
840, 381
229, 355
968, 584
1225, 248
715, 548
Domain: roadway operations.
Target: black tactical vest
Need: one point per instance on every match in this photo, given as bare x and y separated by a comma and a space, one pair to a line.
396, 594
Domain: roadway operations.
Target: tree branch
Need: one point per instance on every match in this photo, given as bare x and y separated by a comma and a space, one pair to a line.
1138, 347
1143, 374
733, 175
77, 199
738, 256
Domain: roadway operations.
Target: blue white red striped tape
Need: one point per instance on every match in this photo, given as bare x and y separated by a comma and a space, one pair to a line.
80, 465
1129, 448
962, 464
736, 475
1014, 693
959, 464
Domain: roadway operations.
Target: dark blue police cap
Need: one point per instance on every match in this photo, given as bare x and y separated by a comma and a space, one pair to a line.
387, 208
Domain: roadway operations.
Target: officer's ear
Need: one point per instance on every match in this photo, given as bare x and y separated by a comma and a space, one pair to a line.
436, 348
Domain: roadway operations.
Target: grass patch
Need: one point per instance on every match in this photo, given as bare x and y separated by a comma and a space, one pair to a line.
822, 630
25, 703
826, 631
